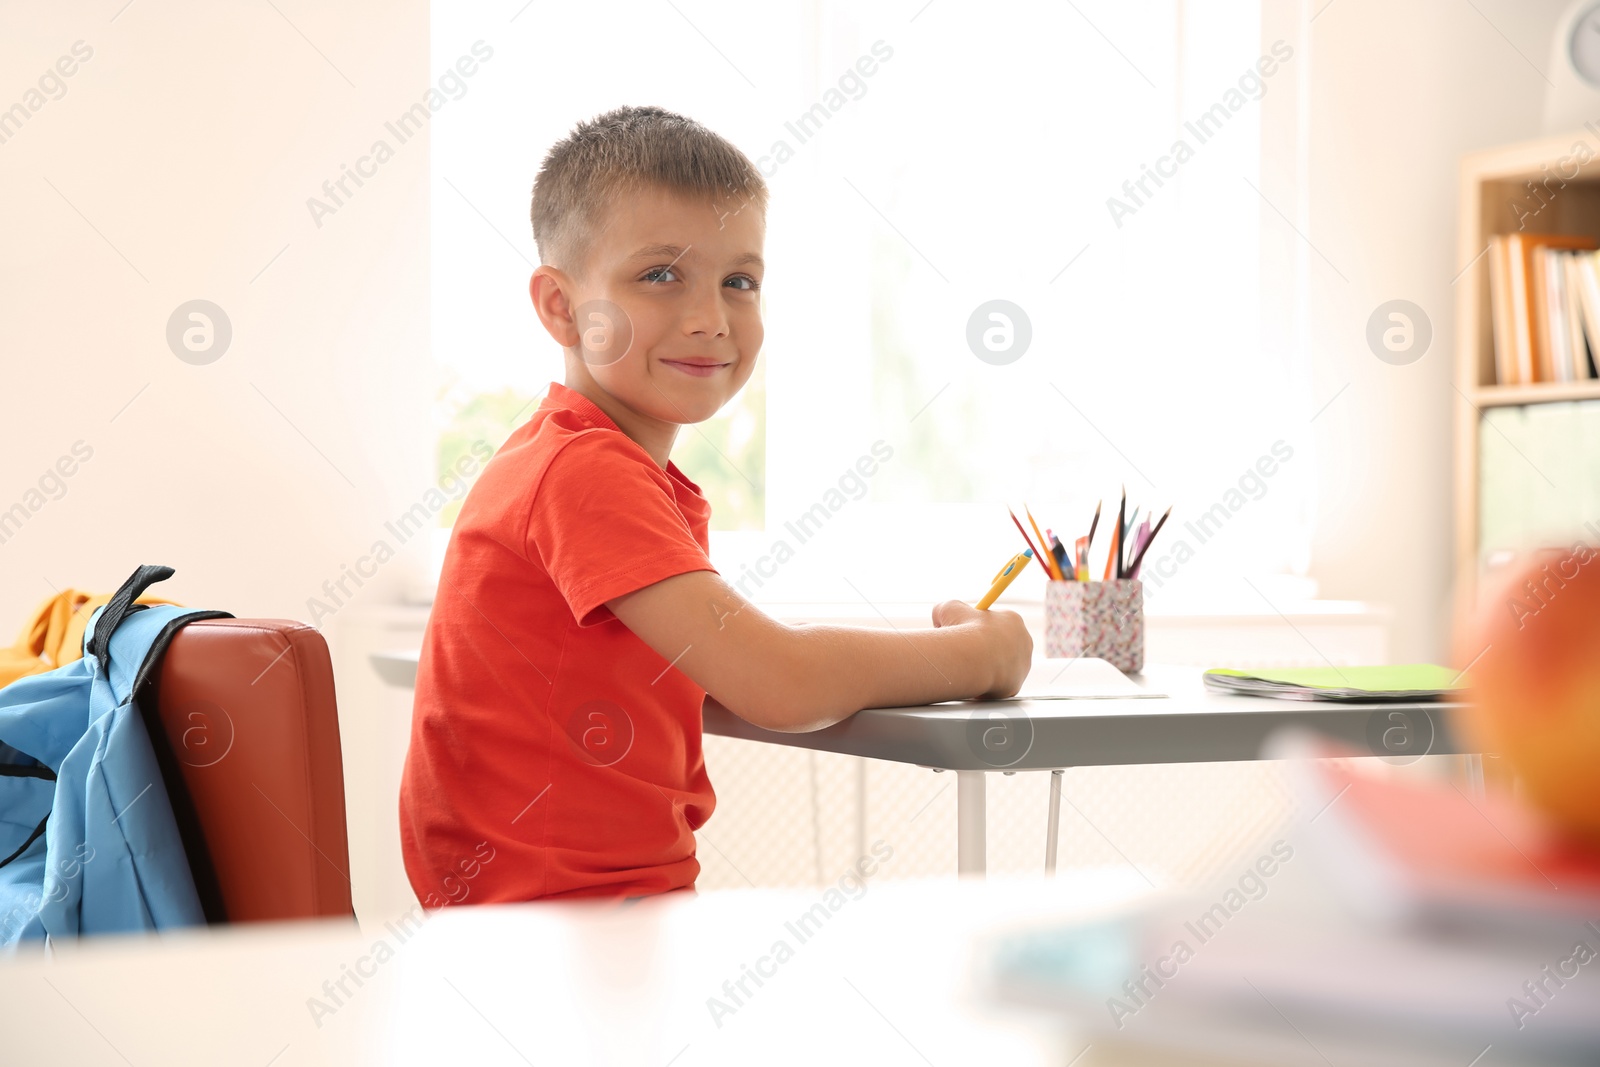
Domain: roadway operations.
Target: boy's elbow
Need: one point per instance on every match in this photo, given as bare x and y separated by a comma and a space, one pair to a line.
788, 717
785, 698
772, 708
784, 703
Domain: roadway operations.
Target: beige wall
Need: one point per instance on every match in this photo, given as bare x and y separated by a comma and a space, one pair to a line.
177, 166
1399, 91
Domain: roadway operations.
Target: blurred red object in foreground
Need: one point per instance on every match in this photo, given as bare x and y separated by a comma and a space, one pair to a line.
1532, 655
1424, 850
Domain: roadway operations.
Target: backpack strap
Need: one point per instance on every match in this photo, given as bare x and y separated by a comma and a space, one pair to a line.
122, 605
27, 770
37, 830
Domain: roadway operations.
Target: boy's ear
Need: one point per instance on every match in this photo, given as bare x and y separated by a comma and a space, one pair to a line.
549, 289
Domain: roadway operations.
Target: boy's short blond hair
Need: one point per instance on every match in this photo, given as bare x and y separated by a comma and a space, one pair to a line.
625, 150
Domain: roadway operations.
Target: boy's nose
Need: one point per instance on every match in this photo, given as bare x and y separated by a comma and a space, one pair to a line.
705, 313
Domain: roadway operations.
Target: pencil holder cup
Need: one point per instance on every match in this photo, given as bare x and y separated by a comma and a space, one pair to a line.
1100, 619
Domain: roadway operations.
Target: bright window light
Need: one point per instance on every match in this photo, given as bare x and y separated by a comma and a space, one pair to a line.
926, 161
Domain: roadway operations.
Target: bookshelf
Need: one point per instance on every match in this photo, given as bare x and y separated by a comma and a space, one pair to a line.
1527, 457
1488, 396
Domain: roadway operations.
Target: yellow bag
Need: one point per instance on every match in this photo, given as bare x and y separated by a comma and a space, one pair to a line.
54, 635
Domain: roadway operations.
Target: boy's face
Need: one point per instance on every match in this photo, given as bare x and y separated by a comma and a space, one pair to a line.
665, 314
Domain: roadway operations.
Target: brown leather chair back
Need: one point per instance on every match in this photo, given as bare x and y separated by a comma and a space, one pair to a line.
245, 728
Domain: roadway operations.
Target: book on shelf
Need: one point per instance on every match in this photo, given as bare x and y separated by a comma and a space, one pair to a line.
1544, 296
1500, 310
1587, 283
1575, 368
1541, 312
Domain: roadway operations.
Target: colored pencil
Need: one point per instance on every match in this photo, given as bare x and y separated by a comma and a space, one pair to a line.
1114, 558
1059, 551
1024, 534
1130, 549
1138, 560
1129, 544
1055, 571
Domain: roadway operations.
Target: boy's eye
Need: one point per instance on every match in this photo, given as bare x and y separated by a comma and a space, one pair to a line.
657, 275
743, 281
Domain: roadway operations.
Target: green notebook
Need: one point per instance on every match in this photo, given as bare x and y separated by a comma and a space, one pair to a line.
1407, 681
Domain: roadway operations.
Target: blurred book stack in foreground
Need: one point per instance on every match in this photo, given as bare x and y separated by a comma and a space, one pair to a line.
1400, 923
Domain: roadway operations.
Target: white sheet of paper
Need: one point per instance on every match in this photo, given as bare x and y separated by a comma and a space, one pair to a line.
1084, 678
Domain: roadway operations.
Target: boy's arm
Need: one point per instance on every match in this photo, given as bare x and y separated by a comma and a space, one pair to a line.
798, 678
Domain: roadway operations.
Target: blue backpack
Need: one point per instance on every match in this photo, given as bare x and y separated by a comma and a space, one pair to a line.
88, 842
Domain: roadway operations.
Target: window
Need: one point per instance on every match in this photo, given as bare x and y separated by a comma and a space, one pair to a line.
1122, 176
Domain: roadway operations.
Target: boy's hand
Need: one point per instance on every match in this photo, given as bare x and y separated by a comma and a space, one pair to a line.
1005, 640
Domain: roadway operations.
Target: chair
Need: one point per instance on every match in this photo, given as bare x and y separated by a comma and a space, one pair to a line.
243, 721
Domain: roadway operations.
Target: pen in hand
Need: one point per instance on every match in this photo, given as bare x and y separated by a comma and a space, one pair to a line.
1007, 575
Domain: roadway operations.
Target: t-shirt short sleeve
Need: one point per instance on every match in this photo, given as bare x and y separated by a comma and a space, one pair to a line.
604, 523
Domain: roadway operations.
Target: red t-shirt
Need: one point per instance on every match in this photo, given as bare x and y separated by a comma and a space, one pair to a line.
553, 753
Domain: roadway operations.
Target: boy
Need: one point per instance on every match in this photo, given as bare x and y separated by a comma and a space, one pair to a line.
579, 624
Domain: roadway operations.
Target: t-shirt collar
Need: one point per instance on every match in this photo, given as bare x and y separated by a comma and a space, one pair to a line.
563, 395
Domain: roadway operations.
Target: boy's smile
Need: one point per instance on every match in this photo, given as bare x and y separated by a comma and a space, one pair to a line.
661, 321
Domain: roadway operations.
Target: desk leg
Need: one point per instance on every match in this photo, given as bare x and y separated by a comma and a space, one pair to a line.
972, 847
1053, 825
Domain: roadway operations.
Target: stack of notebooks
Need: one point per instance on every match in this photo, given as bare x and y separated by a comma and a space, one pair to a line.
1405, 924
1404, 682
1544, 301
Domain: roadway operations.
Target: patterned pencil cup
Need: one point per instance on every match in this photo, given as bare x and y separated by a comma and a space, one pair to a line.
1101, 619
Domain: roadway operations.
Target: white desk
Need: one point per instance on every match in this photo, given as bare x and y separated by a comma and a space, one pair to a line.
561, 984
1189, 724
885, 978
